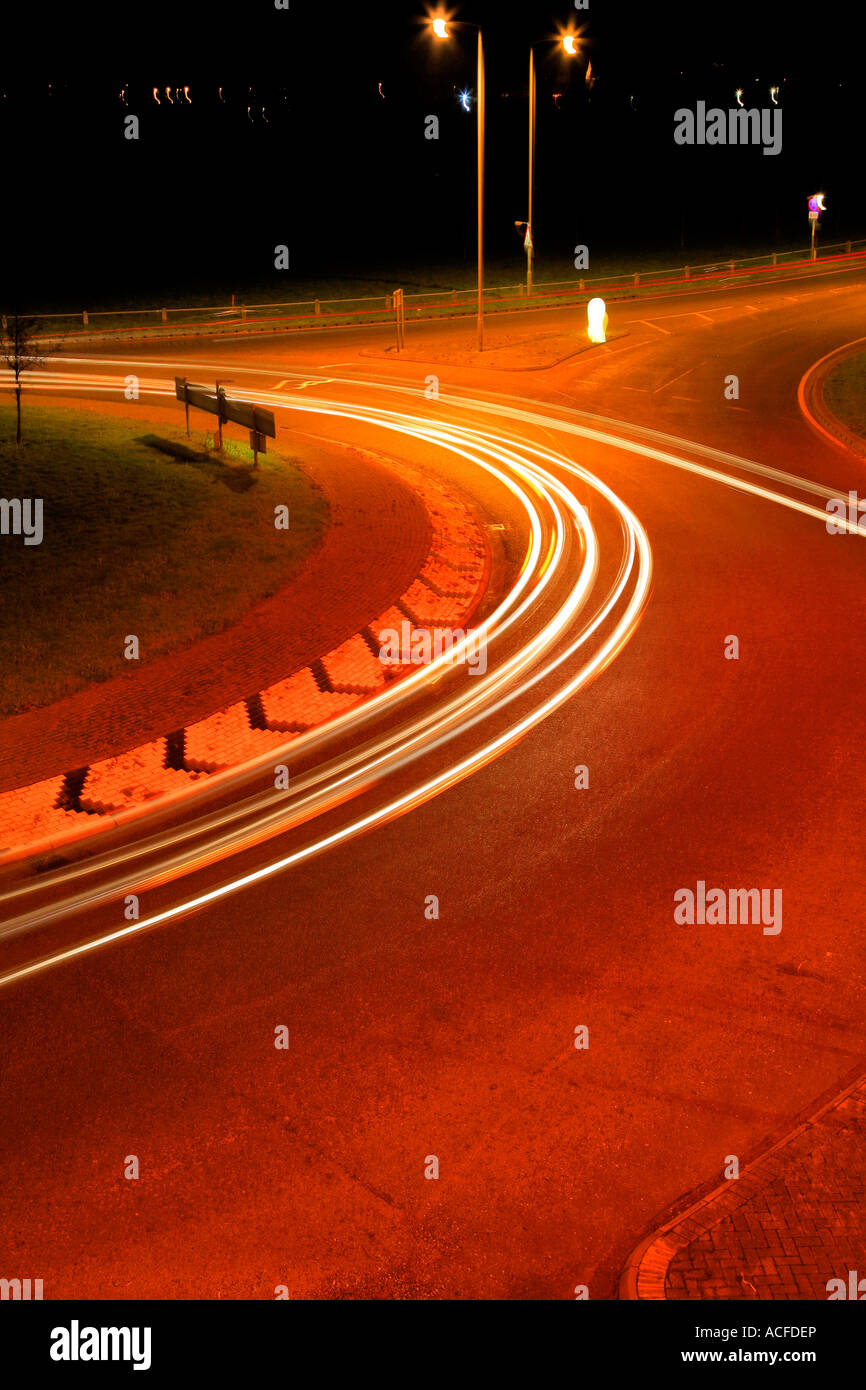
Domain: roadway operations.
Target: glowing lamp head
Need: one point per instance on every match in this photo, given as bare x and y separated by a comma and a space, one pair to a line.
816, 203
440, 27
568, 42
596, 319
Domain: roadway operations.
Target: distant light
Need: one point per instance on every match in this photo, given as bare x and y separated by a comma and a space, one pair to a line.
595, 320
440, 28
187, 95
774, 92
739, 96
816, 203
465, 101
156, 98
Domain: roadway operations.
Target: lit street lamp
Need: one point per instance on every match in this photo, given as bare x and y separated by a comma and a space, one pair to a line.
568, 43
440, 29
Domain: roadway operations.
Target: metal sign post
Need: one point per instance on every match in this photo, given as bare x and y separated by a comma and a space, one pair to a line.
259, 445
399, 319
255, 418
816, 207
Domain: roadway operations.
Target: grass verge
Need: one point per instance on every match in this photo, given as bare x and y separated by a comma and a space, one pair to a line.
137, 539
845, 392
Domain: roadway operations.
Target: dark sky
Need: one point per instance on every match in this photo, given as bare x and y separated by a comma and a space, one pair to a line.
303, 149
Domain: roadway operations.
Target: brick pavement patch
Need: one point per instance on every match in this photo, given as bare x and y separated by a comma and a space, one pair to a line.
794, 1220
450, 586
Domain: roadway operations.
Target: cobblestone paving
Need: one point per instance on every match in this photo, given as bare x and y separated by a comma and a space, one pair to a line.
793, 1221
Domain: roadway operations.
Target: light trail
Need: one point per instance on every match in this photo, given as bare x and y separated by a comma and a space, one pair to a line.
534, 476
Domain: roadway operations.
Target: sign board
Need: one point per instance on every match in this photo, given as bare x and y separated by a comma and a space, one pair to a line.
258, 442
254, 417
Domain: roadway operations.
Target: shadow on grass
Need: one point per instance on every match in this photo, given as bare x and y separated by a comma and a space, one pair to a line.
237, 477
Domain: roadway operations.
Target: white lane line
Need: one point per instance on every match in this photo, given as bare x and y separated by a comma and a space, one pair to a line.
649, 323
666, 384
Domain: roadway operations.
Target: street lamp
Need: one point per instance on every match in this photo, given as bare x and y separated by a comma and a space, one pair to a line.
440, 29
569, 41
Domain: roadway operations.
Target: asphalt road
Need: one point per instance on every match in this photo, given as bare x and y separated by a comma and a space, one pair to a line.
454, 1038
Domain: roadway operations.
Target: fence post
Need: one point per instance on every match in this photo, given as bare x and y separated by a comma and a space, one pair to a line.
164, 316
582, 284
688, 272
847, 248
318, 307
5, 324
732, 268
774, 258
84, 318
637, 278
243, 311
453, 296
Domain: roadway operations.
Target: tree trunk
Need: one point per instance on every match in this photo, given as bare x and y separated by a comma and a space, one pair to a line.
18, 408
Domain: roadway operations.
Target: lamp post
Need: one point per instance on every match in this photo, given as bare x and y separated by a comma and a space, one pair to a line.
440, 29
569, 41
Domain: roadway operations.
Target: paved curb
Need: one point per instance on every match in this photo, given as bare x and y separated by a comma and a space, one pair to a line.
644, 1275
65, 809
810, 397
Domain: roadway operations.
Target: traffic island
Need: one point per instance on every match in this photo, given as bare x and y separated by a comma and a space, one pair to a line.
832, 396
504, 351
142, 533
448, 583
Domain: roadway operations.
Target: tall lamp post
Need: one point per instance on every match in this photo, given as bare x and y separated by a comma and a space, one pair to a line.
440, 29
569, 41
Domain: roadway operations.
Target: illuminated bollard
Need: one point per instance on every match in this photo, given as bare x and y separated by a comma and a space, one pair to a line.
596, 320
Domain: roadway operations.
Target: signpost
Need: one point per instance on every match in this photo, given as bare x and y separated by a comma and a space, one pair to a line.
816, 207
399, 319
259, 421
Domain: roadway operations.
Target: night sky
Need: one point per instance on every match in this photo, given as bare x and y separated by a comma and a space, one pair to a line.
303, 149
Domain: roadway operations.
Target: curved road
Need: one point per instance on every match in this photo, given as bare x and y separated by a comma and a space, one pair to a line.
453, 1037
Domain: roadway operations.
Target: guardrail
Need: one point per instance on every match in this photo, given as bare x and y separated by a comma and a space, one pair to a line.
297, 315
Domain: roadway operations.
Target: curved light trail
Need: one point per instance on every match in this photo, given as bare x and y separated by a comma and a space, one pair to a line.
558, 625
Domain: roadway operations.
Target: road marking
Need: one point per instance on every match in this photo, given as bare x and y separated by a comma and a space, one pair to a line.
666, 384
650, 324
706, 317
694, 399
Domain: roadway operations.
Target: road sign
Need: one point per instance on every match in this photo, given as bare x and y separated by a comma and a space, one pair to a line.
254, 417
258, 442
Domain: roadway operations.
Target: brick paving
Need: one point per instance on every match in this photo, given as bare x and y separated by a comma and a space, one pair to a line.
53, 812
794, 1220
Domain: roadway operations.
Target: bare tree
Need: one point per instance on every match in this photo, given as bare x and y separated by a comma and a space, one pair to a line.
18, 351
